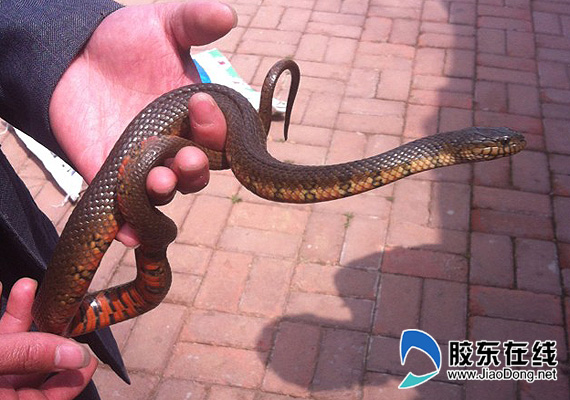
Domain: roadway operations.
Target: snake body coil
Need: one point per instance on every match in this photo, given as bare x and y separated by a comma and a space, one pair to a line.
118, 195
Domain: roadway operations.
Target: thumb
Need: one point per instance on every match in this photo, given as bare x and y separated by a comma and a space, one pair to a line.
199, 22
36, 352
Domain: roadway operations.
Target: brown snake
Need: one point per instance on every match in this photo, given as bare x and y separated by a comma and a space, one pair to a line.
118, 195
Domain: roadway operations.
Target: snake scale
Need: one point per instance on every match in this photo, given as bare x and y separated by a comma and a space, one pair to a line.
118, 195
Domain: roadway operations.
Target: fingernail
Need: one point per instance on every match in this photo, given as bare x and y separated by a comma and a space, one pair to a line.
71, 356
234, 13
203, 110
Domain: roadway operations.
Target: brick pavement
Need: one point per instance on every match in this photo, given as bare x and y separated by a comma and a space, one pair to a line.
280, 301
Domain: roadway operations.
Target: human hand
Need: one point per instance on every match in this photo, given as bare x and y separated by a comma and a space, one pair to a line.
27, 357
135, 55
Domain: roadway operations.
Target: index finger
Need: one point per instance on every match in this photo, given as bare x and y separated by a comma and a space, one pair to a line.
18, 315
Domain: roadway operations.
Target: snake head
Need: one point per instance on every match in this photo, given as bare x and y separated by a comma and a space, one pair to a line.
488, 143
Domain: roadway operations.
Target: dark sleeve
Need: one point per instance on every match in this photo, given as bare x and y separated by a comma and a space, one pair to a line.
38, 41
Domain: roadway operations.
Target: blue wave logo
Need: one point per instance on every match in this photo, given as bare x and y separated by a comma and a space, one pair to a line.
416, 339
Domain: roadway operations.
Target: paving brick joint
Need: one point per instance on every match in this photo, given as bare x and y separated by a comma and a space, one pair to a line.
278, 301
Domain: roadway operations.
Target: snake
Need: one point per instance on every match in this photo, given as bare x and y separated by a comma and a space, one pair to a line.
117, 195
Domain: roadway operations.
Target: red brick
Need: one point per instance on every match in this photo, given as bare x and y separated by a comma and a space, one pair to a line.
275, 36
239, 330
558, 55
328, 310
267, 17
447, 29
429, 61
340, 365
157, 329
294, 19
322, 110
449, 207
297, 153
264, 273
504, 23
462, 13
460, 63
184, 288
562, 213
449, 84
341, 50
491, 96
454, 118
375, 124
425, 263
412, 236
221, 365
354, 7
372, 106
178, 388
550, 110
537, 266
205, 221
364, 242
515, 304
557, 389
561, 185
435, 11
362, 83
293, 359
395, 11
404, 31
223, 285
523, 100
502, 11
491, 260
503, 75
377, 29
392, 315
490, 389
376, 203
325, 70
496, 173
330, 29
269, 217
337, 18
421, 120
411, 202
506, 62
546, 23
312, 47
260, 241
511, 201
491, 41
265, 48
380, 386
521, 225
346, 146
336, 281
518, 122
530, 172
485, 328
230, 393
394, 85
438, 98
323, 238
555, 133
444, 309
520, 44
112, 388
439, 40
